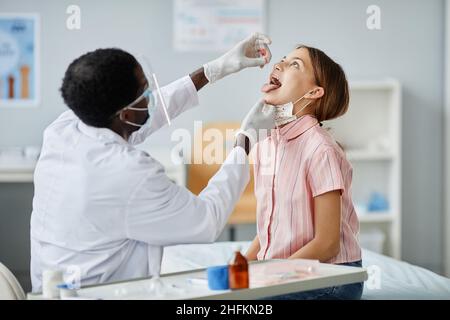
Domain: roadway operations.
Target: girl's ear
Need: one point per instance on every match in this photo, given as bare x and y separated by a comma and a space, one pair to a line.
316, 93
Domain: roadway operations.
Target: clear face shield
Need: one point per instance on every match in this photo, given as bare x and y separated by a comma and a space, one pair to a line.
152, 95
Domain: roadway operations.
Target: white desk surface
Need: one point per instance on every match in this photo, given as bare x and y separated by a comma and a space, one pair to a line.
326, 275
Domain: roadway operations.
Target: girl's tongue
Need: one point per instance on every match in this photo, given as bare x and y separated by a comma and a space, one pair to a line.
267, 87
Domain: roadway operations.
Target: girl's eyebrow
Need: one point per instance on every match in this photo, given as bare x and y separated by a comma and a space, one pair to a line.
297, 58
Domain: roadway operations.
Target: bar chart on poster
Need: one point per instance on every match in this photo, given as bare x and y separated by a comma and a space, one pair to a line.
19, 60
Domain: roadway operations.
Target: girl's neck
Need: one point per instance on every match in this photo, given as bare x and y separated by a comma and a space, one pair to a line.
301, 114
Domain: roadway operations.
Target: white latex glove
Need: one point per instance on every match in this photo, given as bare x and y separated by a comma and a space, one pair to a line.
258, 122
251, 52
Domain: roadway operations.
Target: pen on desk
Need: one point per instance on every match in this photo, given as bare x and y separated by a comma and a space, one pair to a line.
197, 281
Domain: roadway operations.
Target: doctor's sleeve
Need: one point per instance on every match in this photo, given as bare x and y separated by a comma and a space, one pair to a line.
180, 95
162, 213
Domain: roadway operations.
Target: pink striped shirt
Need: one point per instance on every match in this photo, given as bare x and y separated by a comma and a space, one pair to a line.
295, 164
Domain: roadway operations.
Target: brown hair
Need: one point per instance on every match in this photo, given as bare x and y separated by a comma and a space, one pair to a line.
331, 77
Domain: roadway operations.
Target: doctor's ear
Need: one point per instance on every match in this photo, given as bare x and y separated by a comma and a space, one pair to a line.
124, 115
316, 93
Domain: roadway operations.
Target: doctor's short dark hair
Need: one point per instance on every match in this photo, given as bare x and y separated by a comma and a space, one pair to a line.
100, 83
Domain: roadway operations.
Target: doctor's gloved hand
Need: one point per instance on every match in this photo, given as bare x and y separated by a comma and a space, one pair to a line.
258, 122
251, 52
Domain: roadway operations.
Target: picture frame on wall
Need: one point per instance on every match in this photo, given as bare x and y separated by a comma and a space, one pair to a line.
19, 60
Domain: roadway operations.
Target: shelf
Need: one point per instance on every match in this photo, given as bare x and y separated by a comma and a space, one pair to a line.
375, 217
365, 155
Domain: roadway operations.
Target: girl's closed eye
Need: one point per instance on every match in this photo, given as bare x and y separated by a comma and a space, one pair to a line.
295, 64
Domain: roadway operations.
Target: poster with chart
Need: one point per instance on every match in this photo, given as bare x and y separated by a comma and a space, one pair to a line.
215, 25
19, 60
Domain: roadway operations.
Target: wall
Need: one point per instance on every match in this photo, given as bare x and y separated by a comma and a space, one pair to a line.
446, 252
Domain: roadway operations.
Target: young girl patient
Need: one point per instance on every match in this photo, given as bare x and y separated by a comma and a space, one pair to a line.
302, 177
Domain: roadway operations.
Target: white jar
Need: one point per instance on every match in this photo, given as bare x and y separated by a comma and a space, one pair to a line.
50, 281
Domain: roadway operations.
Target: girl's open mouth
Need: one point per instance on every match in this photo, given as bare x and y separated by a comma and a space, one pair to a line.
274, 83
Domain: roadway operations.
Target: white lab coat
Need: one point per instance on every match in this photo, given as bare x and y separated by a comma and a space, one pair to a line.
109, 209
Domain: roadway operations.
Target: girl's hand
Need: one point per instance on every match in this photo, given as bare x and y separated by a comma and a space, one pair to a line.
253, 250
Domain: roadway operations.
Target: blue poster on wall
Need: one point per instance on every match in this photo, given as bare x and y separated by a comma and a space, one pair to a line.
19, 60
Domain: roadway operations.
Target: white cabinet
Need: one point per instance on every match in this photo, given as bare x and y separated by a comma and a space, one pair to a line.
20, 169
17, 164
370, 133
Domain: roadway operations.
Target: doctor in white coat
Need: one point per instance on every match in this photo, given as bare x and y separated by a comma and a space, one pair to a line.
107, 209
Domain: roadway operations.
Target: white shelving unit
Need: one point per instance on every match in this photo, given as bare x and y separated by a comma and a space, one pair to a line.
370, 133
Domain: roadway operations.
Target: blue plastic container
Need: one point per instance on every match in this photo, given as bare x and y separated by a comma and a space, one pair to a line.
218, 278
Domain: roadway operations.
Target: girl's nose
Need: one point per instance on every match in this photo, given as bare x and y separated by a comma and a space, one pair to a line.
277, 67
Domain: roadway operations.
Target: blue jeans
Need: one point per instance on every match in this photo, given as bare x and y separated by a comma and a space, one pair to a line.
351, 291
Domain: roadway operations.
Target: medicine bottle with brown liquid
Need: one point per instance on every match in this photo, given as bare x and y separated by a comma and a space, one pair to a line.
238, 271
